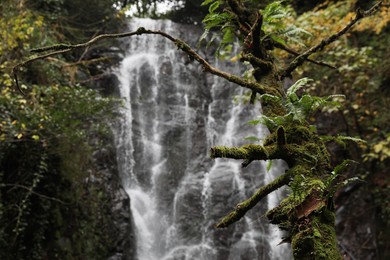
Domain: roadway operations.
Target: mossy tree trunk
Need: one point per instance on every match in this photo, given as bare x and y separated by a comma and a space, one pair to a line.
308, 213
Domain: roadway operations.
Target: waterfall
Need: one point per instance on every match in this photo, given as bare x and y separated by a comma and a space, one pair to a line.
172, 114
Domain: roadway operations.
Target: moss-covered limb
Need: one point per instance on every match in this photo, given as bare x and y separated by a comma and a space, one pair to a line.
247, 152
306, 153
297, 144
243, 207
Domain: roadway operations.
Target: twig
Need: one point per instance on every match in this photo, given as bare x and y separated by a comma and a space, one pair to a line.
35, 193
24, 63
285, 48
64, 48
298, 61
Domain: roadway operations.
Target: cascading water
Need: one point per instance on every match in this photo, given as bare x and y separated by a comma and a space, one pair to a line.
172, 114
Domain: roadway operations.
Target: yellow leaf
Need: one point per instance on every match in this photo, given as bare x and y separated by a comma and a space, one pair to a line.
235, 58
378, 147
14, 122
19, 136
35, 137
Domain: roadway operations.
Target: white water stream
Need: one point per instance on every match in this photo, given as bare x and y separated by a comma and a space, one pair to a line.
172, 114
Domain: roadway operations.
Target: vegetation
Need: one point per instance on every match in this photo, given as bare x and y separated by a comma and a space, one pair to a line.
49, 136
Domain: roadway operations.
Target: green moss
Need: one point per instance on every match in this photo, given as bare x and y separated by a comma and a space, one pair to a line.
249, 151
316, 238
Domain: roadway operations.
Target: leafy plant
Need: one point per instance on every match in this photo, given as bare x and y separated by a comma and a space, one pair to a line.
218, 20
299, 108
275, 25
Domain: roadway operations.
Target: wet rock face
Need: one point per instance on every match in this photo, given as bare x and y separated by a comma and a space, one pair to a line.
117, 218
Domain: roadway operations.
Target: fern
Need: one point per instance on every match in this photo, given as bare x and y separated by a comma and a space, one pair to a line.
331, 184
276, 27
342, 140
302, 107
215, 20
299, 108
297, 85
274, 13
207, 2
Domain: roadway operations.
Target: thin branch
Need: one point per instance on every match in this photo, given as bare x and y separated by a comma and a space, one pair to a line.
243, 207
291, 51
64, 48
298, 61
35, 193
24, 63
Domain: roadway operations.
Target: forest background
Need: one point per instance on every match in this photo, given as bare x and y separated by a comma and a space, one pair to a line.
49, 136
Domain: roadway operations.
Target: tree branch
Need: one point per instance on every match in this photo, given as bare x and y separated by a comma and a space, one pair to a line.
298, 61
285, 48
30, 189
243, 207
249, 151
64, 48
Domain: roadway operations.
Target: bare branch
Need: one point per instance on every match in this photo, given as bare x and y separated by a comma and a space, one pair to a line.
298, 61
64, 48
291, 51
30, 189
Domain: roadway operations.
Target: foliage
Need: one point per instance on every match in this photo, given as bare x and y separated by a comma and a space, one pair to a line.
299, 108
46, 148
362, 76
287, 111
51, 124
216, 20
275, 25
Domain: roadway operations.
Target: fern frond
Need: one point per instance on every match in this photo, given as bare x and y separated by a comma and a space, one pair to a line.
207, 2
298, 85
270, 98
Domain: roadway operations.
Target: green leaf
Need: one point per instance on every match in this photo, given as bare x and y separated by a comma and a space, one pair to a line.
349, 180
252, 138
349, 138
269, 165
228, 36
255, 122
270, 98
298, 85
207, 2
204, 35
214, 6
342, 166
278, 39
